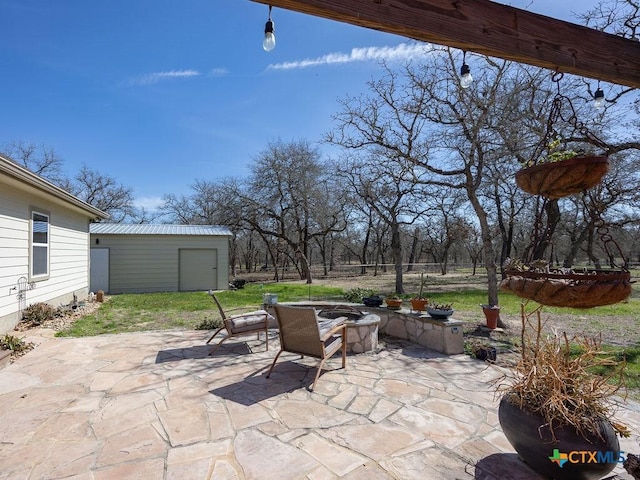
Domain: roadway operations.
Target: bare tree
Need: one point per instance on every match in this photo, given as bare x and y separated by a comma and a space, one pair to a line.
445, 227
286, 201
103, 192
41, 160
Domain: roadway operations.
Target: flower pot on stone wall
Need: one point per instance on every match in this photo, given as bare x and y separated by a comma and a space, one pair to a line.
419, 304
393, 303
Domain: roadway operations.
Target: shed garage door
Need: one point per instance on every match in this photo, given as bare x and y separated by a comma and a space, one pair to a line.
198, 269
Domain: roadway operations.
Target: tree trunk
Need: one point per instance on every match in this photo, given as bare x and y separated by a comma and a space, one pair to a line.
396, 249
304, 264
489, 254
553, 218
412, 252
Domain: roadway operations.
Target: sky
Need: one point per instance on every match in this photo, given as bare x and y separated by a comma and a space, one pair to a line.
161, 93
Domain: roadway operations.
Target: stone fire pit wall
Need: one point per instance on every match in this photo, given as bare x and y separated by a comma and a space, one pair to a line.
444, 336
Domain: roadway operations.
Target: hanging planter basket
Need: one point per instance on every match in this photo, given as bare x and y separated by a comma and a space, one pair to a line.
558, 179
592, 288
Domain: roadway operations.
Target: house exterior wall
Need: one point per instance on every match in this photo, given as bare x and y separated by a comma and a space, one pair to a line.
68, 252
150, 263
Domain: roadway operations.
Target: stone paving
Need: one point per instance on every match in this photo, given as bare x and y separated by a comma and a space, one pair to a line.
156, 406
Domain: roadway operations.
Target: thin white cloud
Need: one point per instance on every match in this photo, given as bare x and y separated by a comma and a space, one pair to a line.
149, 203
218, 72
155, 77
401, 52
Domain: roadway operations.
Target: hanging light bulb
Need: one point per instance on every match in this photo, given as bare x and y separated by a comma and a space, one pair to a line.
598, 98
465, 73
269, 41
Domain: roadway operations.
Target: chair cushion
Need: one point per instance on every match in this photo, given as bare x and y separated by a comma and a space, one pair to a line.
326, 324
250, 321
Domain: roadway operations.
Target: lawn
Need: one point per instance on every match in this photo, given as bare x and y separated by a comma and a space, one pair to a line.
185, 310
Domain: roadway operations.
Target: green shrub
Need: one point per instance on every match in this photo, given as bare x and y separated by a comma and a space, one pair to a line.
15, 344
36, 313
355, 295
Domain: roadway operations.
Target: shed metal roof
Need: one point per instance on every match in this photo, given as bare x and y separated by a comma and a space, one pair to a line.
157, 229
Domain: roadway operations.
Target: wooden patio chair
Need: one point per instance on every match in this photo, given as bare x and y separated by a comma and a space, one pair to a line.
303, 332
257, 322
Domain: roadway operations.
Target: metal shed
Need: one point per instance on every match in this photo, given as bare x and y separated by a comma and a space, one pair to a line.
143, 258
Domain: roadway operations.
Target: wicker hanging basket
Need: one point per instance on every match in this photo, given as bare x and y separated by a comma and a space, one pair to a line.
566, 177
593, 288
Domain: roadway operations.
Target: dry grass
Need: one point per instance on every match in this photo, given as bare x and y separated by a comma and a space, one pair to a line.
554, 378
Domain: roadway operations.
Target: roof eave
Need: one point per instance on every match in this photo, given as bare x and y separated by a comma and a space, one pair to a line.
24, 175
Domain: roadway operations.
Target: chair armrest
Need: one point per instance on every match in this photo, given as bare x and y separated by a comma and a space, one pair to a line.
338, 325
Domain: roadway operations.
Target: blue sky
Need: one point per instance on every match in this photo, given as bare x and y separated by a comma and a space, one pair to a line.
159, 93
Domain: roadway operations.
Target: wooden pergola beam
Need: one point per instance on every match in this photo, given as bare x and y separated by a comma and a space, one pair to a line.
489, 28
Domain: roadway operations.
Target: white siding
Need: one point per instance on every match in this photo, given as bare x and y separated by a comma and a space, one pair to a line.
149, 263
69, 252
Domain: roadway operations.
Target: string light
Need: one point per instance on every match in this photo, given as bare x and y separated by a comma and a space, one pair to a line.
269, 41
598, 98
465, 73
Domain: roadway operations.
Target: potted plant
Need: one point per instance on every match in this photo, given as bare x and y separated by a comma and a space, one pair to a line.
419, 303
555, 405
561, 172
562, 287
393, 301
440, 311
491, 315
372, 300
481, 350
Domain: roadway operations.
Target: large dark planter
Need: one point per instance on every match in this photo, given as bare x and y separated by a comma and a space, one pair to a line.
531, 438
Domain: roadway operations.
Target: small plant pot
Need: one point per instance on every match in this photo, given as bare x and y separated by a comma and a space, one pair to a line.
419, 304
393, 303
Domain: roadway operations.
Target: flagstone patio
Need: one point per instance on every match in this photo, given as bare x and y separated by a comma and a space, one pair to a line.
156, 406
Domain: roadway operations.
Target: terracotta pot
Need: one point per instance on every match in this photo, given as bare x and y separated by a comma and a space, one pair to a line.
393, 304
419, 304
530, 436
491, 315
566, 177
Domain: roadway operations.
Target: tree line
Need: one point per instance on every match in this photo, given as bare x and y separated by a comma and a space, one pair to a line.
425, 173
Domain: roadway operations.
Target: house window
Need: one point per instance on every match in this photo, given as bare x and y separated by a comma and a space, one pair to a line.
39, 245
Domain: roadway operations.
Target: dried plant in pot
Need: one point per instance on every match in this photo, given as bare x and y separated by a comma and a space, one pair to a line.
554, 404
419, 302
440, 311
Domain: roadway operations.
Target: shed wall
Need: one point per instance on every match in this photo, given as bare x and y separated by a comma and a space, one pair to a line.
150, 263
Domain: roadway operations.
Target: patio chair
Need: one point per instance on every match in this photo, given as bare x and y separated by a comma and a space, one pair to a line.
303, 332
242, 324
